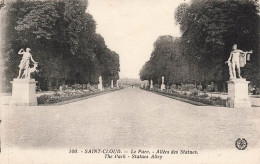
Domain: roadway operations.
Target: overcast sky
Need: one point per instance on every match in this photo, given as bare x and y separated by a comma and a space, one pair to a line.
130, 28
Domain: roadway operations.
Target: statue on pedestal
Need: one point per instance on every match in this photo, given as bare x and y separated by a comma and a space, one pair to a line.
100, 80
112, 83
151, 84
237, 88
24, 91
237, 59
162, 79
100, 85
24, 64
162, 85
117, 85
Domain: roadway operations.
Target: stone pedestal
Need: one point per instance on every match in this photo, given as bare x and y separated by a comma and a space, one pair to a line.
162, 87
23, 92
100, 87
151, 84
238, 94
112, 83
117, 84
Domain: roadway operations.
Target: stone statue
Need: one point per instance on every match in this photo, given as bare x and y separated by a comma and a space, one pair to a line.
100, 79
24, 64
117, 84
162, 79
237, 59
100, 85
151, 84
31, 70
162, 85
112, 83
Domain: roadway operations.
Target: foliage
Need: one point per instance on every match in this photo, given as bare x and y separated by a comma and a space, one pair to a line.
194, 96
47, 99
209, 30
68, 95
187, 87
63, 39
194, 93
39, 22
165, 61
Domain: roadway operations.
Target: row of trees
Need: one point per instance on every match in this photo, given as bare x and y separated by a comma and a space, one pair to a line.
63, 40
209, 30
166, 60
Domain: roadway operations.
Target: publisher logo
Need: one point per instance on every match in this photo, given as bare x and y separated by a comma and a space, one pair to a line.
241, 144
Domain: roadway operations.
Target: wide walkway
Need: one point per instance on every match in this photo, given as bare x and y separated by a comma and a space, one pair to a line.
126, 119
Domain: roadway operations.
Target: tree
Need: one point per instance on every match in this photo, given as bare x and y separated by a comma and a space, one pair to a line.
63, 39
166, 60
210, 28
39, 22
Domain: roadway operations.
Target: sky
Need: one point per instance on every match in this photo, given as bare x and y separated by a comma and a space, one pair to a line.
130, 27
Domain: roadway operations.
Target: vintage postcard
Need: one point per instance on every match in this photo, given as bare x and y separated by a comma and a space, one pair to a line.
130, 81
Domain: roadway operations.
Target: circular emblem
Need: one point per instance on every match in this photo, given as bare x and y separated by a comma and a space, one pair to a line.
241, 144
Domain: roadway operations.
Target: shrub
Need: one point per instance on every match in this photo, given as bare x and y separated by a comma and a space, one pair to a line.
76, 86
187, 87
218, 101
42, 99
47, 99
194, 96
194, 93
156, 86
91, 88
56, 94
67, 95
204, 95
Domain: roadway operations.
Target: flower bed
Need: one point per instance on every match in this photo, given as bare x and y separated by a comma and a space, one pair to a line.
68, 95
194, 95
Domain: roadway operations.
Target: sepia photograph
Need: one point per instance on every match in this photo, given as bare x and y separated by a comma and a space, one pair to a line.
129, 81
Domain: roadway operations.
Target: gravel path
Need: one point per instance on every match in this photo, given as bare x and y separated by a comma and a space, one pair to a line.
129, 118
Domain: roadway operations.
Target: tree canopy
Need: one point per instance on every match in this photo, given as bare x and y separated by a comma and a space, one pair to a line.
63, 39
209, 30
165, 61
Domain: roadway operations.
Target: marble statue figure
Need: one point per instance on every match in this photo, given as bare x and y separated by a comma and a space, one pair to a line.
25, 62
237, 59
162, 79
